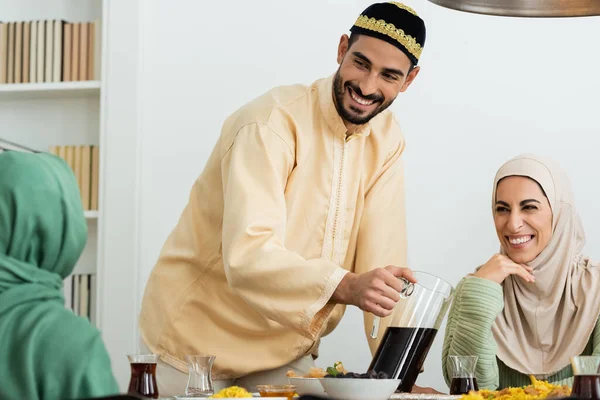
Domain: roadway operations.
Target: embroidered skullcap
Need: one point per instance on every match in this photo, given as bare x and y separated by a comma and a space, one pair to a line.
396, 23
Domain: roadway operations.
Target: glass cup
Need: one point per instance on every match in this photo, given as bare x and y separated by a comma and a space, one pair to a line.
586, 382
143, 375
413, 326
462, 372
200, 382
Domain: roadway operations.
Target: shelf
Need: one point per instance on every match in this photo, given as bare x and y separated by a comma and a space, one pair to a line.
91, 214
84, 267
10, 91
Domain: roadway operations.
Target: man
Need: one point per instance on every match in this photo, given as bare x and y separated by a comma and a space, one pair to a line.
298, 213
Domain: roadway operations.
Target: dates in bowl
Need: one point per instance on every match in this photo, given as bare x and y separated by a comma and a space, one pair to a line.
338, 371
354, 375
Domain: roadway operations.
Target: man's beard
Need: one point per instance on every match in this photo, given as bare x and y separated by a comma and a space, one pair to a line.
354, 116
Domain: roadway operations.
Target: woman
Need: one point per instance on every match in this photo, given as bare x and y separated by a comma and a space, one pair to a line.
536, 304
47, 351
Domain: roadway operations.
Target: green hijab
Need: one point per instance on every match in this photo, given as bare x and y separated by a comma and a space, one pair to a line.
47, 351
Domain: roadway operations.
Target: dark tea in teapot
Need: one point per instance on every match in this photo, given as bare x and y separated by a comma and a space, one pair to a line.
402, 352
413, 326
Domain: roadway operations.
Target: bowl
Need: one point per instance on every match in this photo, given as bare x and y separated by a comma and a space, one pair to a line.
286, 391
360, 389
307, 386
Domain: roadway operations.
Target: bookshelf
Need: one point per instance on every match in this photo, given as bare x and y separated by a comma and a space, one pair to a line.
90, 214
105, 112
52, 90
50, 100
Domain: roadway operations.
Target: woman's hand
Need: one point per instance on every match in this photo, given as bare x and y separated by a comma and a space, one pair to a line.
499, 267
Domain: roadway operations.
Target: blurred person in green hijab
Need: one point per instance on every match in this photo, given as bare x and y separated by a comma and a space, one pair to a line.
47, 352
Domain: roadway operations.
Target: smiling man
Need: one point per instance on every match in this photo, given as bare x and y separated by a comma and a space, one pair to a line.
298, 213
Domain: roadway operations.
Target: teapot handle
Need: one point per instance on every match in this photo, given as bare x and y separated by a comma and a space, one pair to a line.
406, 291
375, 327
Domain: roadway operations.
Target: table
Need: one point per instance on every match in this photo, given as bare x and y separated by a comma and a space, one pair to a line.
423, 396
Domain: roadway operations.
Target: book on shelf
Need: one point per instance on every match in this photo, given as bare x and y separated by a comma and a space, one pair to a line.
50, 51
79, 291
84, 161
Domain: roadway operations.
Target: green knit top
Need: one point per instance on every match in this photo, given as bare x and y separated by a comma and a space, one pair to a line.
476, 305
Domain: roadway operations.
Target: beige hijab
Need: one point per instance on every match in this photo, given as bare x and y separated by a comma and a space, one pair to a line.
545, 323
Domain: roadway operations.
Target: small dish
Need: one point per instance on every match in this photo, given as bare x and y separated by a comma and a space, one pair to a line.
285, 391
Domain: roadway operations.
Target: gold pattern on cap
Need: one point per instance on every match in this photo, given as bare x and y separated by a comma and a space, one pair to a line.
404, 7
385, 28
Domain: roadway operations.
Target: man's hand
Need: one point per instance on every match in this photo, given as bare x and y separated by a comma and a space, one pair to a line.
376, 291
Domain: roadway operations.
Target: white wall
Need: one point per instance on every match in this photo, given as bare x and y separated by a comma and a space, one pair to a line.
489, 88
118, 279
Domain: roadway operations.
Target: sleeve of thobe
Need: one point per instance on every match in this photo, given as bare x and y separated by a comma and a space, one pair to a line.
277, 282
382, 233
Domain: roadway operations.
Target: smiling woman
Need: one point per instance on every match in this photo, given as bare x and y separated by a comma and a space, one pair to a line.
533, 306
523, 218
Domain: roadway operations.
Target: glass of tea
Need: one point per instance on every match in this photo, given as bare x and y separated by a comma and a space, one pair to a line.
462, 372
143, 375
586, 382
200, 382
412, 328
